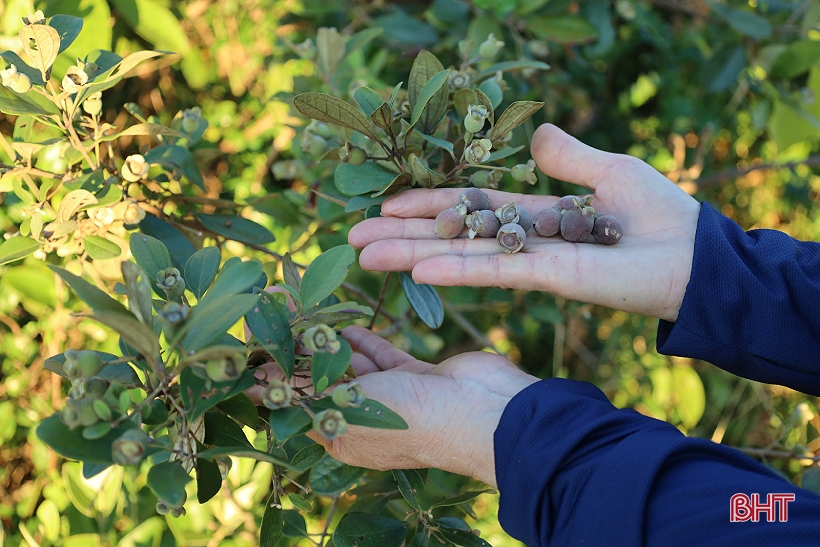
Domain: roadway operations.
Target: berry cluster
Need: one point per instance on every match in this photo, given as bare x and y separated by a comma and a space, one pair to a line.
573, 217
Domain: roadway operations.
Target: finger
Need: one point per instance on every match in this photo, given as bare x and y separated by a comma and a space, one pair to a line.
424, 203
566, 158
400, 255
362, 365
374, 229
382, 353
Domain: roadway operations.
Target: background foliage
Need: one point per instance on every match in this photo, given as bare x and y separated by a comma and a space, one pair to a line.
721, 97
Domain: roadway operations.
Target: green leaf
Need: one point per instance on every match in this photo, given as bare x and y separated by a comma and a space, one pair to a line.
432, 88
71, 443
177, 244
151, 254
100, 248
368, 100
330, 476
300, 503
750, 24
139, 336
462, 538
400, 181
178, 160
115, 74
420, 540
325, 274
337, 313
220, 430
68, 28
201, 269
364, 530
502, 153
138, 289
241, 408
355, 180
210, 319
461, 498
328, 367
441, 143
425, 67
358, 203
294, 525
236, 277
411, 485
269, 322
272, 523
41, 44
17, 248
492, 91
91, 295
515, 114
236, 228
308, 457
115, 372
208, 480
369, 414
14, 104
167, 481
564, 29
243, 452
425, 300
329, 109
796, 59
508, 66
290, 421
423, 175
724, 68
192, 389
361, 39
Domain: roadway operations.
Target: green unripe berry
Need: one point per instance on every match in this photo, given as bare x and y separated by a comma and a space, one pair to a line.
93, 104
356, 155
170, 281
348, 395
314, 145
190, 119
79, 413
330, 423
226, 368
277, 394
490, 47
473, 124
162, 509
520, 172
321, 338
82, 363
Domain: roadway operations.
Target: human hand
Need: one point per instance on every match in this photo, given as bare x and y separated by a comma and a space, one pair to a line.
646, 272
452, 409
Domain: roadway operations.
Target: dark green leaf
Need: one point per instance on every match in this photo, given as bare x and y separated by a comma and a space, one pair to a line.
118, 372
22, 67
91, 295
139, 336
208, 480
507, 66
290, 272
71, 443
337, 313
435, 88
328, 367
325, 274
355, 180
463, 538
243, 452
300, 503
361, 39
268, 321
178, 245
167, 481
441, 143
236, 277
236, 228
330, 476
151, 254
240, 407
17, 248
420, 540
368, 100
796, 59
502, 153
220, 430
208, 321
358, 203
732, 62
138, 289
564, 29
68, 28
308, 457
425, 66
329, 109
272, 523
411, 485
363, 530
100, 248
178, 160
399, 26
200, 270
461, 498
515, 114
492, 91
290, 421
425, 300
199, 395
294, 525
401, 180
370, 414
750, 24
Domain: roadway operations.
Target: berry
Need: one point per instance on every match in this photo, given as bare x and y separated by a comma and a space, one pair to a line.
474, 199
477, 114
577, 223
134, 168
485, 179
330, 423
607, 229
520, 172
277, 395
21, 83
450, 222
314, 145
478, 151
547, 222
190, 119
524, 218
95, 387
511, 237
82, 363
353, 154
170, 281
129, 449
490, 47
482, 224
79, 413
508, 213
321, 338
348, 395
226, 368
173, 313
566, 203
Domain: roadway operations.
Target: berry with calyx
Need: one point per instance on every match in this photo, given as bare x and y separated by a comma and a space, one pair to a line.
134, 168
129, 449
511, 237
477, 114
577, 223
162, 509
474, 199
356, 155
95, 387
82, 364
568, 202
226, 368
508, 213
173, 313
524, 218
525, 172
490, 47
486, 179
178, 512
190, 119
79, 413
482, 224
330, 423
170, 281
350, 394
547, 222
607, 229
321, 338
450, 222
314, 144
478, 151
277, 395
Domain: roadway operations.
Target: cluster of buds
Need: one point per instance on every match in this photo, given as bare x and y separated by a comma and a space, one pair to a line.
170, 281
315, 138
134, 168
86, 405
330, 424
321, 338
224, 369
278, 394
347, 395
16, 81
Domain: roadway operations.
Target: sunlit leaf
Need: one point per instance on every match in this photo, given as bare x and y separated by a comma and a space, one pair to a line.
329, 109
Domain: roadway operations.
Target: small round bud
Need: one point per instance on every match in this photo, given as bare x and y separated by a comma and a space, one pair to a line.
79, 413
490, 47
458, 79
801, 415
474, 199
547, 222
224, 463
21, 83
482, 224
350, 394
277, 395
450, 222
95, 387
226, 368
330, 423
486, 179
75, 78
478, 151
174, 313
134, 168
607, 229
577, 223
356, 155
133, 214
477, 114
511, 238
321, 338
170, 281
508, 213
190, 119
93, 103
129, 449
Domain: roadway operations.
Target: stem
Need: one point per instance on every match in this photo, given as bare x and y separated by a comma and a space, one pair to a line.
381, 301
329, 518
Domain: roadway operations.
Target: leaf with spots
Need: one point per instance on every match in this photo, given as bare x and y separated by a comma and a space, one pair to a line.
268, 321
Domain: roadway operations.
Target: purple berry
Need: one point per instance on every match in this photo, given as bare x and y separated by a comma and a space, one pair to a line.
524, 218
547, 222
482, 224
474, 199
450, 222
566, 203
577, 223
607, 230
511, 237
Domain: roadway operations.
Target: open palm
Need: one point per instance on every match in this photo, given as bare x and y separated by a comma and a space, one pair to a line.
646, 272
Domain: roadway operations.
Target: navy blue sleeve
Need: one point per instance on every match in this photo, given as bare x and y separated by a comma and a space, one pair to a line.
574, 470
752, 305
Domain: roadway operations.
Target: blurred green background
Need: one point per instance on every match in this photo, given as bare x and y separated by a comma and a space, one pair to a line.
721, 97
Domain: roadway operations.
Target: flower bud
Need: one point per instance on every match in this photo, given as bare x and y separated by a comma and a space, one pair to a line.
104, 215
490, 47
350, 394
458, 79
133, 214
478, 151
82, 363
174, 313
485, 179
21, 83
129, 449
36, 18
226, 368
170, 281
190, 119
277, 395
93, 104
330, 423
321, 338
134, 168
75, 78
477, 114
